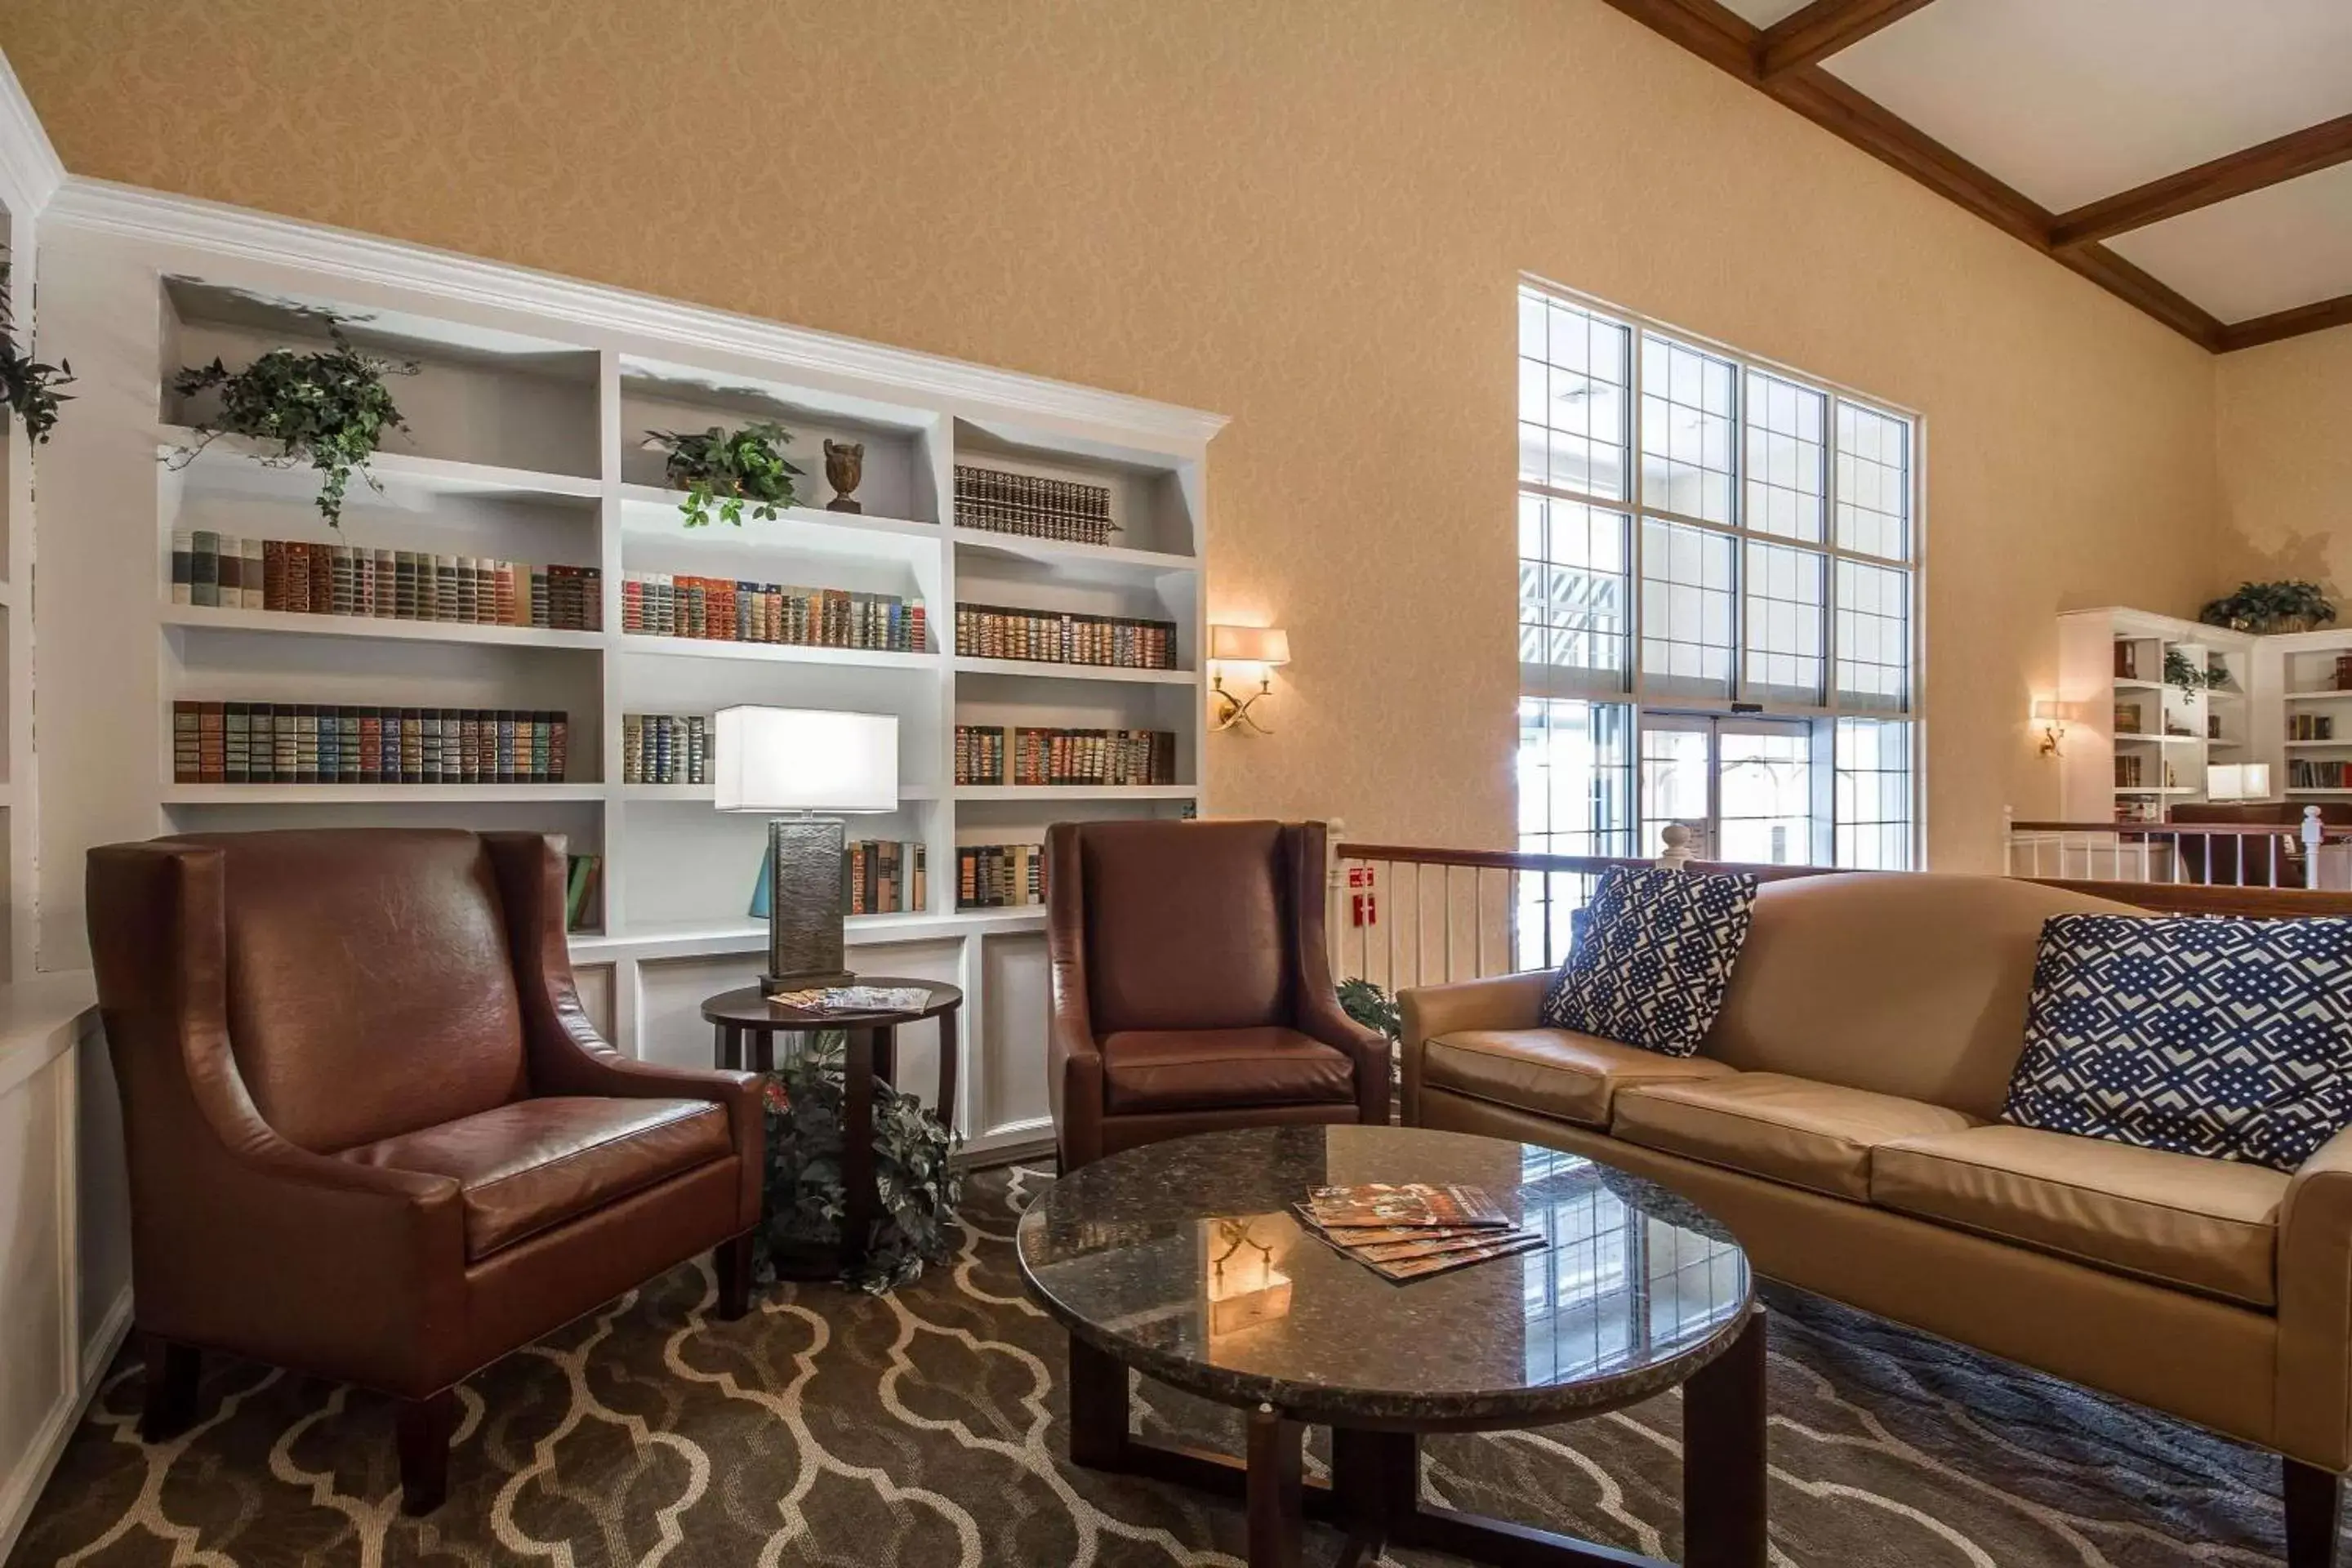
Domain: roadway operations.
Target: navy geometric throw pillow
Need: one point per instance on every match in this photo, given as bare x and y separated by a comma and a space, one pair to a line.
1649, 966
2229, 1039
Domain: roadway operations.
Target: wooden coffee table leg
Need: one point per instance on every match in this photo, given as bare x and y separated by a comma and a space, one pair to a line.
857, 1147
1276, 1504
1375, 1481
1723, 1457
1098, 1408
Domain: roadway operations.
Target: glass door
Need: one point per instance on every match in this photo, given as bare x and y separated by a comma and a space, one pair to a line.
1743, 786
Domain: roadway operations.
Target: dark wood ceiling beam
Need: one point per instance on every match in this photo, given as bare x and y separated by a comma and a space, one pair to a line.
2313, 317
1729, 41
2286, 158
1812, 35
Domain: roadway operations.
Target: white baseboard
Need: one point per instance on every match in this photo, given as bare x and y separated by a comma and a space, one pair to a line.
22, 1488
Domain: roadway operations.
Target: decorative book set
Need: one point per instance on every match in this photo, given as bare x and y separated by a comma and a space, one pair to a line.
2311, 726
1046, 757
723, 609
2303, 773
1034, 508
211, 570
1121, 642
1000, 875
884, 877
665, 749
303, 742
1413, 1230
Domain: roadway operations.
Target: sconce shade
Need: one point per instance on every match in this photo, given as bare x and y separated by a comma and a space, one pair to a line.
2049, 711
1250, 645
2237, 781
805, 759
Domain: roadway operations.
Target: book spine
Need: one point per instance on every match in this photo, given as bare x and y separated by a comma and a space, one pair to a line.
187, 751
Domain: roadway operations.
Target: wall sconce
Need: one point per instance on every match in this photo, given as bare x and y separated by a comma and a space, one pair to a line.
2051, 714
1246, 651
2237, 781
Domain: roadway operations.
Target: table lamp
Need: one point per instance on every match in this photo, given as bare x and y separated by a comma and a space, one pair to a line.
794, 763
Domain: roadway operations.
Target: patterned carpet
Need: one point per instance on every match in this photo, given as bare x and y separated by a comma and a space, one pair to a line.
924, 1430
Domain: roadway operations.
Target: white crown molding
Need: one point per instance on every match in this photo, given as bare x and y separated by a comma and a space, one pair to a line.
30, 170
103, 207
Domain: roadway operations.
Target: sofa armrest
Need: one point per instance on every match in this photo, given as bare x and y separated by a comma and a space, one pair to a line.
1074, 1068
567, 1055
2315, 1294
1504, 1002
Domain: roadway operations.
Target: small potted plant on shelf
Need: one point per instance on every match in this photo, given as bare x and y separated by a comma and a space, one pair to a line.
328, 407
2186, 674
28, 387
731, 466
807, 1198
2290, 605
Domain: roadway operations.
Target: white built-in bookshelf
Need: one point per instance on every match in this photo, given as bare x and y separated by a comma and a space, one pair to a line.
526, 441
2138, 741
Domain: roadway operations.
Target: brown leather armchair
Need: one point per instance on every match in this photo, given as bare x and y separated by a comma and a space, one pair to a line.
371, 1135
1192, 987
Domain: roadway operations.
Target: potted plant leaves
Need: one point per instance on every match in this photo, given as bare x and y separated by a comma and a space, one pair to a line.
2289, 605
731, 467
28, 387
328, 407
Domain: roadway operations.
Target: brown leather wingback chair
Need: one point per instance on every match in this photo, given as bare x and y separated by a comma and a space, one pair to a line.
371, 1135
1191, 988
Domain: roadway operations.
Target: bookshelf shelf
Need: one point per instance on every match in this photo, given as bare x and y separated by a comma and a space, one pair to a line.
1105, 560
2315, 745
647, 512
405, 481
378, 628
1052, 792
655, 646
2321, 696
374, 795
527, 442
966, 664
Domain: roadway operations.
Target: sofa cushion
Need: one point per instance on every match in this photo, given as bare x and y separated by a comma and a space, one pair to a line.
1650, 967
1816, 1135
1553, 1072
531, 1164
2203, 1225
2222, 1038
1212, 1069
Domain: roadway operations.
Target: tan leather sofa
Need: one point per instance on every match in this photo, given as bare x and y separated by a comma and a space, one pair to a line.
1841, 1118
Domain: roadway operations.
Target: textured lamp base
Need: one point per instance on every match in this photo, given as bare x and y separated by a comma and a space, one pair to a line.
804, 947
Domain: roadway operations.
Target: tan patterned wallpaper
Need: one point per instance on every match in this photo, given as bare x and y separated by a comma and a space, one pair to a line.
2286, 463
1309, 215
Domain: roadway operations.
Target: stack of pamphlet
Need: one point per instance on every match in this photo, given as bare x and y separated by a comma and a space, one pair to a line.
1415, 1229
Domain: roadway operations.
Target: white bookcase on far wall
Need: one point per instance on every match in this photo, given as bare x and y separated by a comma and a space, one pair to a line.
526, 441
2138, 744
2305, 725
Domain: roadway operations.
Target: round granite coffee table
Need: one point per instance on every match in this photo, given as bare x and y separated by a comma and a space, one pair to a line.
1184, 1260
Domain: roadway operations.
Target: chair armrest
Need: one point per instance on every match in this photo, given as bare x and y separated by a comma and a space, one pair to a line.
1074, 1069
2315, 1293
1504, 1002
567, 1056
1319, 1017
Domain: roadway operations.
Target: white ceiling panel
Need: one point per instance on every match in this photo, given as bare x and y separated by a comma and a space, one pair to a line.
1764, 13
2268, 250
2070, 100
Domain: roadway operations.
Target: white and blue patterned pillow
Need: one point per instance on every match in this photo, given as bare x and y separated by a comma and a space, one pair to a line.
2223, 1038
1649, 966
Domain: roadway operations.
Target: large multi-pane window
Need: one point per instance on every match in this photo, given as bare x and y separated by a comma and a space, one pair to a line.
1718, 571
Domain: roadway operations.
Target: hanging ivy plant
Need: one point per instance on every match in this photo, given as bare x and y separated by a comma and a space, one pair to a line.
28, 387
807, 1199
731, 466
328, 408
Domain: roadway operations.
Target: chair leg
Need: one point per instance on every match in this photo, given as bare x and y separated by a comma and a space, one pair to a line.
423, 1428
2312, 1499
170, 1407
732, 1263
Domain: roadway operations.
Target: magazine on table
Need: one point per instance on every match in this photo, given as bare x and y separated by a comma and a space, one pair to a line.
857, 999
1385, 1205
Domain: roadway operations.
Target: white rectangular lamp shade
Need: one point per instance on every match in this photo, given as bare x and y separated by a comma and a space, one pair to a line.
805, 759
2237, 781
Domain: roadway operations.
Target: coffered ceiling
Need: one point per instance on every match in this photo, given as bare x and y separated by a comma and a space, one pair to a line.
2192, 156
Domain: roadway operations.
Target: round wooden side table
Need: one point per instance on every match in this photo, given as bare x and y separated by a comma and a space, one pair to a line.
747, 1015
